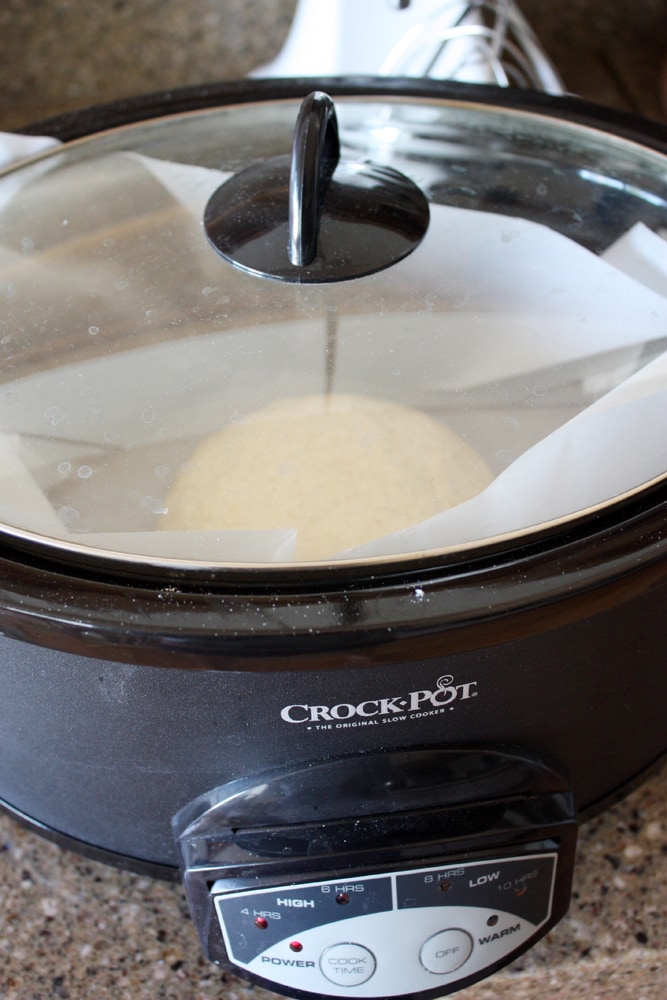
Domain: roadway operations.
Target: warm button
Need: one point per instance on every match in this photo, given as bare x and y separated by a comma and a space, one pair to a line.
347, 964
446, 951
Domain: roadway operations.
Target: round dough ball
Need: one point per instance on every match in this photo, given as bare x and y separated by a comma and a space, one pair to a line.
341, 469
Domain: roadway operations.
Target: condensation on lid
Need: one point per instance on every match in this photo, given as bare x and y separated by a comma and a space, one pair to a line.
126, 343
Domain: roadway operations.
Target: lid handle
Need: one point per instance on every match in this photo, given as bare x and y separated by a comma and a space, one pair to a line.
315, 154
315, 216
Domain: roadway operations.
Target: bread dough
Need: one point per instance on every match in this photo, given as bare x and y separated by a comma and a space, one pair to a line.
341, 469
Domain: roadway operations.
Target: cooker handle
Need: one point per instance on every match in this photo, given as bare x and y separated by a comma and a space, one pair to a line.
413, 864
315, 154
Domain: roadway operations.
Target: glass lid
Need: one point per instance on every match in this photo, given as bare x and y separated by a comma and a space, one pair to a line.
478, 355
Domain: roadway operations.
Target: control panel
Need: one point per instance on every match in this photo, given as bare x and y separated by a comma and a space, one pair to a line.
398, 874
388, 935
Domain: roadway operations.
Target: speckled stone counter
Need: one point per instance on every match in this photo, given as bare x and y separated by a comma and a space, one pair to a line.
72, 929
56, 55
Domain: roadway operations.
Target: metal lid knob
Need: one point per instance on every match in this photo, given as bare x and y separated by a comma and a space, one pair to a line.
313, 216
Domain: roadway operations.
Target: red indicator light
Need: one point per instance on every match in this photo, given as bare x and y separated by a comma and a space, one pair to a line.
342, 898
262, 923
296, 946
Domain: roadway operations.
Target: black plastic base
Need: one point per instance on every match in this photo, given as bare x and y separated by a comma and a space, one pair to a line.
139, 866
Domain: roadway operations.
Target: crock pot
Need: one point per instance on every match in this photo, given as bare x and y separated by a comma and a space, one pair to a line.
367, 763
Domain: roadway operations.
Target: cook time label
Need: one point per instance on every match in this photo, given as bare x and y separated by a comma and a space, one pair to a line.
444, 695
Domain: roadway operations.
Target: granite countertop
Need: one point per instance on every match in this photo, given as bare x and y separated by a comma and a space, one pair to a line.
74, 929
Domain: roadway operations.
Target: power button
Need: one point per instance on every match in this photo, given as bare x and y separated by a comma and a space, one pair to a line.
347, 964
446, 951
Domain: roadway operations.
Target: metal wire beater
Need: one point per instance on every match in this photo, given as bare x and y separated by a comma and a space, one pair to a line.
479, 41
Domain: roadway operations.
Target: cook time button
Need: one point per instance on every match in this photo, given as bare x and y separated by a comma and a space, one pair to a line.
347, 964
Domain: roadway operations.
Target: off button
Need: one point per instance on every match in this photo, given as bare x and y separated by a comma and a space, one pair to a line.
347, 964
446, 951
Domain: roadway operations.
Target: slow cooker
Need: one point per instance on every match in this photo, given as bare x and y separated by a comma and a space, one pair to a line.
411, 334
